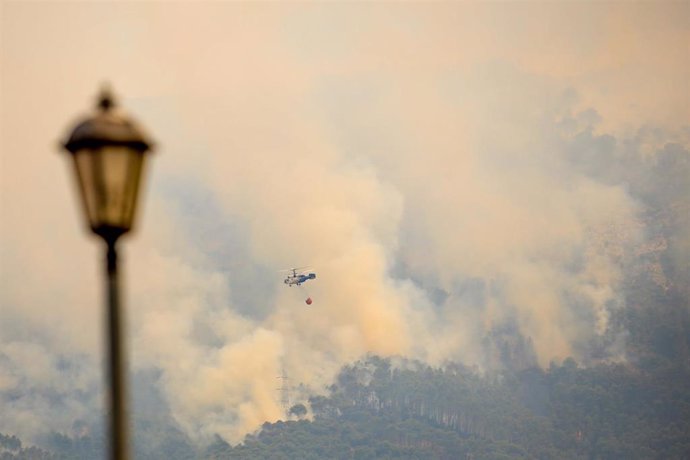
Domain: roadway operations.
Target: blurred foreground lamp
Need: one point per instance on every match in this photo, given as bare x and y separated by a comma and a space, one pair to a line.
109, 150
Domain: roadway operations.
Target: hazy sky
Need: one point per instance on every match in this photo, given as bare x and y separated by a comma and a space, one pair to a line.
416, 155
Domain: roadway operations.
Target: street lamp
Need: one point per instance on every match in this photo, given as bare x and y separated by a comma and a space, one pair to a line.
109, 150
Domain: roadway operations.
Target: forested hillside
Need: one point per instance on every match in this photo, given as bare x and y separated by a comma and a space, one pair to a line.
382, 408
408, 410
633, 403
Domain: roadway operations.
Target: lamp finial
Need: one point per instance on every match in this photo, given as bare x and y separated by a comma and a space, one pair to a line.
106, 99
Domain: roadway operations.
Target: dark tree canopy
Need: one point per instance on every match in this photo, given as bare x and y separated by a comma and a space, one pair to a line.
298, 410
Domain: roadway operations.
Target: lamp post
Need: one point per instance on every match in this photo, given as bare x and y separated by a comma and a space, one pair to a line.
108, 151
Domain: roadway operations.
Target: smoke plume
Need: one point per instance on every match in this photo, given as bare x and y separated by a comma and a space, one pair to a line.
442, 171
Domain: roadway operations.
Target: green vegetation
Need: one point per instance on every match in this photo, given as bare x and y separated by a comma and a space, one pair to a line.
387, 408
381, 410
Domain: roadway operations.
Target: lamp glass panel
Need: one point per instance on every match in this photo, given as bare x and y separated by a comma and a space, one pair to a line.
109, 179
83, 161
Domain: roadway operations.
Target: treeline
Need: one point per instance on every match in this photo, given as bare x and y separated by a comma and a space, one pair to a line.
11, 448
383, 409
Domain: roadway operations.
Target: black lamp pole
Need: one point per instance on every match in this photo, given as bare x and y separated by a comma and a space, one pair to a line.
109, 150
117, 362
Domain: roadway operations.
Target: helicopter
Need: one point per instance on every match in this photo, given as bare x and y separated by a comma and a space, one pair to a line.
297, 278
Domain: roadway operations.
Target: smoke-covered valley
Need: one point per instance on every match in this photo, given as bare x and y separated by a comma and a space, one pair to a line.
464, 195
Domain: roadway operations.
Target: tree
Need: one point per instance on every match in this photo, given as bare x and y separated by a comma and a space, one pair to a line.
298, 410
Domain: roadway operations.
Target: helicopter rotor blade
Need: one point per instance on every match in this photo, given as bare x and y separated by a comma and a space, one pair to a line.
294, 269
